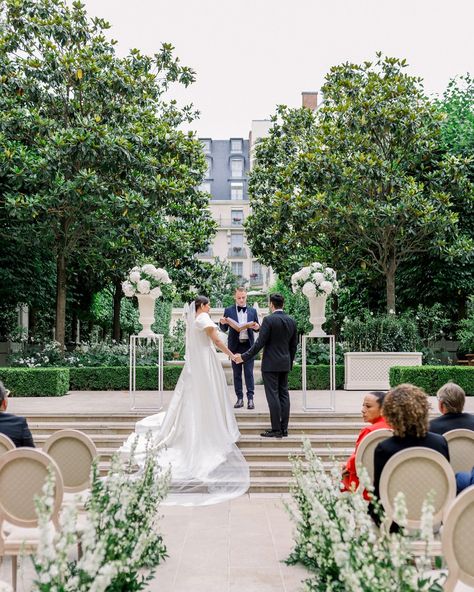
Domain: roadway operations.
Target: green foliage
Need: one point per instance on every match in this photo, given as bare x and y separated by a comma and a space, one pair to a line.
432, 378
36, 382
360, 182
466, 330
383, 333
317, 377
117, 378
317, 352
93, 165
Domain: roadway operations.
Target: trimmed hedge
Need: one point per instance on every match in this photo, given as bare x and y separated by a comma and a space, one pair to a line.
317, 377
117, 378
36, 382
431, 378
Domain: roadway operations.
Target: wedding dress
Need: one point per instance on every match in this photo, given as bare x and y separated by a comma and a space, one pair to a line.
197, 434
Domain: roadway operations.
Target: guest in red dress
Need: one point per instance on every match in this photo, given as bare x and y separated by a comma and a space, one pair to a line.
372, 414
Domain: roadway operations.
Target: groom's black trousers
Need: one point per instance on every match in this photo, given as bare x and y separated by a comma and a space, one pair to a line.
278, 399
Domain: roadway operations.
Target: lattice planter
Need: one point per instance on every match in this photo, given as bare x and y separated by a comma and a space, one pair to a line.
370, 370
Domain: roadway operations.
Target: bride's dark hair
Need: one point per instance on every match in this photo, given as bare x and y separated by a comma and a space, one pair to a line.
200, 301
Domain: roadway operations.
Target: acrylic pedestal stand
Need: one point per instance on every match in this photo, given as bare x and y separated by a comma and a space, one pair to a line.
332, 373
134, 341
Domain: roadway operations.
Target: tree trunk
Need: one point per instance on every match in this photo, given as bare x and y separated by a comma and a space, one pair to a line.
390, 280
60, 300
117, 306
74, 322
32, 318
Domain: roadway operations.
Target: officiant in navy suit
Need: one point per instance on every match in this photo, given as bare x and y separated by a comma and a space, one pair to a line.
241, 341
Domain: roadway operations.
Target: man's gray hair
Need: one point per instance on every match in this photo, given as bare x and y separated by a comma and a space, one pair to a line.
3, 392
452, 396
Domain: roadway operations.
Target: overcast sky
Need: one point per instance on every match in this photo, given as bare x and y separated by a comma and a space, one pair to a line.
250, 55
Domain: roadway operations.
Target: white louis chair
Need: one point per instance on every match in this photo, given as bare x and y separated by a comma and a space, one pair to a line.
5, 444
457, 539
74, 453
417, 472
461, 449
23, 473
365, 451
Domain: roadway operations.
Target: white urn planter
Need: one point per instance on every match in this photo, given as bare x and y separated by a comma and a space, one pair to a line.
146, 308
370, 370
317, 311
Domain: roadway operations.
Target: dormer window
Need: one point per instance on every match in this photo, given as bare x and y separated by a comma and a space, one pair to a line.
237, 168
236, 145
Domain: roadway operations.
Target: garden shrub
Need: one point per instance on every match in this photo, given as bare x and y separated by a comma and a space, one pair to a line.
431, 378
381, 333
317, 377
117, 378
36, 382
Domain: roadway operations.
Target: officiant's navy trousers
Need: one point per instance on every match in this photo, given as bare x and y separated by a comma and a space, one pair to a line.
247, 367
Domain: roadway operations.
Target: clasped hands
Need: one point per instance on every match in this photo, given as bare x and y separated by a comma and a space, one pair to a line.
237, 358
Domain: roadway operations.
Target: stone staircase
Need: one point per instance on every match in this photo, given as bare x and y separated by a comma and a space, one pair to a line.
332, 437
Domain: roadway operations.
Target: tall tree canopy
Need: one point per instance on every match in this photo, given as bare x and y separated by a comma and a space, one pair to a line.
364, 176
91, 156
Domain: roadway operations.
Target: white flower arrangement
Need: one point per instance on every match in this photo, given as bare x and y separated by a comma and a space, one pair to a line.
315, 280
120, 541
146, 279
337, 542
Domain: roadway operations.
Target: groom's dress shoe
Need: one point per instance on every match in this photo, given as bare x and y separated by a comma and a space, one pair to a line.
250, 404
239, 404
284, 433
271, 434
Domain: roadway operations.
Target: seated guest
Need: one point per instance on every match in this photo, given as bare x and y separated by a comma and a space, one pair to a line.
13, 426
372, 414
464, 479
405, 409
451, 399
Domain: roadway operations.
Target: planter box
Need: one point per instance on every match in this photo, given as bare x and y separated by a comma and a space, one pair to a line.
371, 370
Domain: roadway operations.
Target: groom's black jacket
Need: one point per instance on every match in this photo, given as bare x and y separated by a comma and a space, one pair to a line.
278, 336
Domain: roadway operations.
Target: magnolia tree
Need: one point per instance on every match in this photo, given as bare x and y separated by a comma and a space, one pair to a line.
361, 180
92, 158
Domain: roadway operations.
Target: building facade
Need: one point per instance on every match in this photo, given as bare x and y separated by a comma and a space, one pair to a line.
226, 179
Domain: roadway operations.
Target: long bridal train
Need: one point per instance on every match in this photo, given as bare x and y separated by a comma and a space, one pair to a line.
198, 433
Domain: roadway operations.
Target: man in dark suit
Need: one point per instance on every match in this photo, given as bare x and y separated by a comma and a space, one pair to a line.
451, 399
278, 338
13, 426
239, 342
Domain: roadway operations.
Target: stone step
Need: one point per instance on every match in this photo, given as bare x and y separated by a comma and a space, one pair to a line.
268, 455
295, 441
270, 470
307, 427
90, 428
266, 485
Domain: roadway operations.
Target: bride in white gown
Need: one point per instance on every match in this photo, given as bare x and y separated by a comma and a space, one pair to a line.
199, 431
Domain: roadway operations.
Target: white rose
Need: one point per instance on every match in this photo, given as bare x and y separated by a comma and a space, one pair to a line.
316, 266
326, 287
156, 292
128, 289
149, 269
305, 273
309, 289
143, 286
136, 268
318, 277
134, 276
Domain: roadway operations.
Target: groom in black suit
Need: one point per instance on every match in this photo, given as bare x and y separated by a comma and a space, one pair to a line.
278, 338
239, 342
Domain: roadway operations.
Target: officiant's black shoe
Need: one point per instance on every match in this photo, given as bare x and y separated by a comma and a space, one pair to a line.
239, 404
284, 433
250, 404
271, 434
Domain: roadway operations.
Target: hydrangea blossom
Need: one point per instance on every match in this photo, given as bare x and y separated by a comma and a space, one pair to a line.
147, 279
315, 280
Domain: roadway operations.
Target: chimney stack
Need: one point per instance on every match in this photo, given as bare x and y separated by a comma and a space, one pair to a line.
310, 100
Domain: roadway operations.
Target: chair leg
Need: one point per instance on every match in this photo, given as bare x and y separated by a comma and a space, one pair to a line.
14, 572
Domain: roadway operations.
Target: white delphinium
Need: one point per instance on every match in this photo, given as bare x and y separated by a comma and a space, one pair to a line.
338, 542
323, 280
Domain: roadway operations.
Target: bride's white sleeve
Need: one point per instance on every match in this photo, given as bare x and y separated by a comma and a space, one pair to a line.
204, 321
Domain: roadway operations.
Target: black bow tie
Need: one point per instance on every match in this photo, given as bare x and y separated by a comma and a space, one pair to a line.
242, 308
